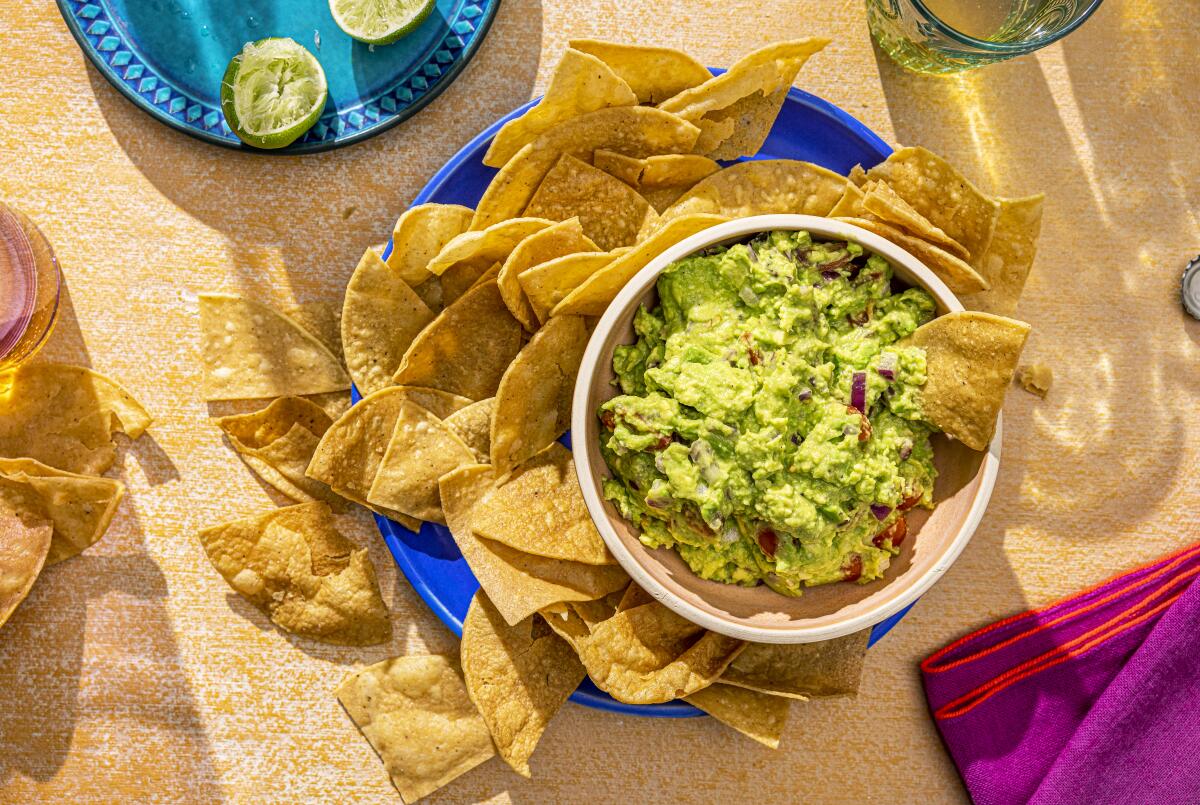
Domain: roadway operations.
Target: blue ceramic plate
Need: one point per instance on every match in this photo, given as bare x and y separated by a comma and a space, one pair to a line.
168, 57
808, 128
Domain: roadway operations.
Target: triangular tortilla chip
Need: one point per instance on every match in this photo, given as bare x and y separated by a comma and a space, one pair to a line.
958, 276
517, 676
415, 713
252, 351
654, 73
65, 416
609, 210
1006, 262
762, 187
483, 247
581, 83
880, 200
801, 670
759, 716
561, 239
380, 318
419, 234
79, 507
310, 580
473, 425
547, 284
23, 550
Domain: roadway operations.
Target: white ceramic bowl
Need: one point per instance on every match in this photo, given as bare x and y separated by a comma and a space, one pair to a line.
965, 478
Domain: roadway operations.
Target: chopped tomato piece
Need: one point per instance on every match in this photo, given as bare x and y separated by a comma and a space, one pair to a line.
896, 532
768, 540
852, 569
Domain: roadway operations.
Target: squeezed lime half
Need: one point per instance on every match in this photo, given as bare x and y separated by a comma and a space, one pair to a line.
273, 92
379, 22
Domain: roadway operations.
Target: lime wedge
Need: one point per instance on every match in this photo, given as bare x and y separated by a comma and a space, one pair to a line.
273, 92
379, 22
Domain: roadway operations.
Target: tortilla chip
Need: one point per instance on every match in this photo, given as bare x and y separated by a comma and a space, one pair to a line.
649, 655
462, 277
539, 510
653, 73
422, 449
517, 676
857, 176
1006, 262
801, 670
713, 132
310, 580
519, 584
970, 359
252, 351
574, 621
473, 425
547, 284
278, 442
673, 170
323, 319
533, 403
351, 450
581, 83
78, 507
753, 714
65, 416
765, 71
419, 235
466, 349
634, 596
23, 549
762, 187
628, 169
881, 201
1036, 378
661, 198
636, 131
430, 292
415, 713
381, 316
483, 247
561, 239
850, 205
610, 211
958, 276
941, 194
593, 296
752, 118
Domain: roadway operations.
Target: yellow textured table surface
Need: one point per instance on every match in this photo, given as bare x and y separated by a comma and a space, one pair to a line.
134, 673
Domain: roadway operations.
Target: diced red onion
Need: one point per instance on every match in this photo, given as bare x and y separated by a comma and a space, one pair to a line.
753, 254
880, 511
804, 395
887, 374
858, 391
906, 450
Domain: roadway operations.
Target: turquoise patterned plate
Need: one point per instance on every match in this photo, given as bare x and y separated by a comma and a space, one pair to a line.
168, 57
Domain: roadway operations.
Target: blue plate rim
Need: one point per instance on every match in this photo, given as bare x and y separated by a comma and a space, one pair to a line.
587, 694
296, 149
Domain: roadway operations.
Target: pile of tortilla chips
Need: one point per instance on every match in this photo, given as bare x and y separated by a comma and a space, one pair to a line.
465, 343
56, 428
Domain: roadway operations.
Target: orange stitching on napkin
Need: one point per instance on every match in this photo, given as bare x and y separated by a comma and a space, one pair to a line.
930, 664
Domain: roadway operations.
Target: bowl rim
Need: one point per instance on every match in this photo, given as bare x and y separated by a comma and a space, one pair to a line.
586, 472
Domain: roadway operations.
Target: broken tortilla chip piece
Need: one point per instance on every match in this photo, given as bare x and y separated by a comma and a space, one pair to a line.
310, 580
801, 670
64, 416
1006, 262
636, 131
519, 584
78, 507
517, 676
539, 510
649, 655
958, 276
467, 348
593, 296
278, 443
762, 187
415, 713
547, 284
610, 212
1036, 378
23, 549
419, 234
533, 402
654, 73
565, 237
581, 83
473, 425
758, 716
381, 316
251, 351
421, 450
970, 359
850, 205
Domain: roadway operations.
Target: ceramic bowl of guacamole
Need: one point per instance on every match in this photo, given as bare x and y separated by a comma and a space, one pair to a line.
721, 443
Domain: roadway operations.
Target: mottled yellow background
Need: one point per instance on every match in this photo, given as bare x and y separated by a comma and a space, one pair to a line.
134, 673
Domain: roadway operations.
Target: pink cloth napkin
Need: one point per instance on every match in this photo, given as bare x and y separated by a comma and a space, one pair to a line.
1094, 699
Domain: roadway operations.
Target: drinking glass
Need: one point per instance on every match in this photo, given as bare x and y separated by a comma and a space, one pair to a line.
29, 288
946, 36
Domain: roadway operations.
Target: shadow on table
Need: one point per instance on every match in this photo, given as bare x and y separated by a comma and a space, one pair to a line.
313, 215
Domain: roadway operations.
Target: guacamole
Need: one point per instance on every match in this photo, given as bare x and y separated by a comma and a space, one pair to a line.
770, 427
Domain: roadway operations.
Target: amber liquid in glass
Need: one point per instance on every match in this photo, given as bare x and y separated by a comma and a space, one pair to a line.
29, 286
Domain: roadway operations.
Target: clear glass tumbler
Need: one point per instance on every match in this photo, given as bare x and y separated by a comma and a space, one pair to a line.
29, 289
946, 36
